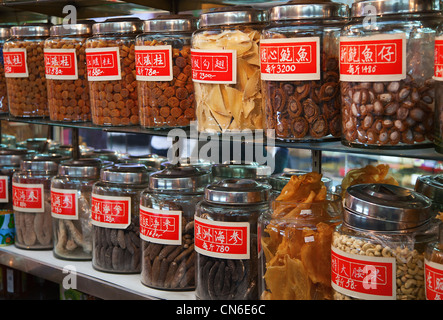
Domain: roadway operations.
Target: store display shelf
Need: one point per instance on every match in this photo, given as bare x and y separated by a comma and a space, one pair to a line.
42, 263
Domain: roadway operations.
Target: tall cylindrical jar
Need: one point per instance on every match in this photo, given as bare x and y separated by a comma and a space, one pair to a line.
24, 64
164, 72
225, 238
110, 63
31, 195
434, 268
378, 251
386, 69
115, 205
65, 68
4, 35
226, 70
71, 208
299, 55
167, 211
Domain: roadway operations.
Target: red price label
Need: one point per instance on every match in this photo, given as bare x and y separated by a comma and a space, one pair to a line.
61, 64
368, 278
28, 197
438, 59
103, 64
367, 58
214, 66
64, 204
226, 240
290, 59
433, 280
111, 212
14, 60
4, 189
161, 226
153, 63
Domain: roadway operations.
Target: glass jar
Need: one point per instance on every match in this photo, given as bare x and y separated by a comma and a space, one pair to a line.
167, 211
24, 64
434, 268
71, 208
110, 62
225, 236
253, 171
115, 206
166, 91
301, 84
31, 189
4, 35
227, 91
378, 250
65, 68
432, 187
386, 69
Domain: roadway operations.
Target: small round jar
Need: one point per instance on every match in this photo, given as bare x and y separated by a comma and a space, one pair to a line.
24, 64
66, 76
386, 70
432, 187
227, 92
4, 35
71, 208
31, 192
115, 205
110, 62
434, 267
225, 238
167, 211
253, 171
300, 86
164, 72
381, 242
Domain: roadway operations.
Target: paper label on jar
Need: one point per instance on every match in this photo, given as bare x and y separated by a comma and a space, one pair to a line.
103, 64
153, 63
28, 197
14, 60
161, 226
220, 239
4, 189
61, 64
214, 66
363, 277
290, 59
438, 58
368, 58
433, 280
64, 204
111, 211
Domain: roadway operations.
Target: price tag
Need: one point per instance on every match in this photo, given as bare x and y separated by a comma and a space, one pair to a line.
438, 59
64, 204
161, 226
61, 64
4, 189
153, 63
14, 60
214, 66
433, 280
110, 211
103, 64
28, 197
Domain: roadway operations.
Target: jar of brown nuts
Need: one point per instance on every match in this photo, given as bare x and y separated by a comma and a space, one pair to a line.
25, 70
164, 72
65, 68
299, 52
4, 35
110, 63
386, 69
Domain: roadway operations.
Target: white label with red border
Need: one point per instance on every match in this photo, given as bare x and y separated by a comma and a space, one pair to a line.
372, 57
363, 277
28, 197
111, 211
153, 63
161, 226
14, 60
4, 189
433, 280
214, 66
290, 59
438, 58
64, 203
61, 64
103, 64
220, 239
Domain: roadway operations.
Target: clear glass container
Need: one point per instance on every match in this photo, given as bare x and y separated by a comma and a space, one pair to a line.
378, 250
110, 62
167, 211
24, 64
227, 90
71, 208
253, 171
225, 236
31, 190
386, 70
164, 72
4, 35
66, 76
300, 83
115, 205
434, 267
432, 187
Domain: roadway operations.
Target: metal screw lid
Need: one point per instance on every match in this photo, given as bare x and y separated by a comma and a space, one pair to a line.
170, 23
180, 178
232, 15
11, 157
31, 30
125, 173
118, 25
383, 7
294, 10
5, 32
35, 165
151, 160
81, 168
80, 28
238, 170
431, 187
237, 192
185, 161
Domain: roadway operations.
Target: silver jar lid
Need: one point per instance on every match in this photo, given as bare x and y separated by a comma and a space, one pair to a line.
5, 32
385, 207
151, 160
297, 11
82, 168
237, 192
31, 30
170, 23
125, 173
189, 161
180, 178
431, 186
232, 15
241, 171
278, 181
11, 157
383, 7
80, 28
39, 165
118, 25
